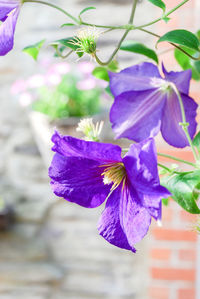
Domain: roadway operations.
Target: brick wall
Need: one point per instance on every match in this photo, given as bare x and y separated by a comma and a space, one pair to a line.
173, 247
173, 254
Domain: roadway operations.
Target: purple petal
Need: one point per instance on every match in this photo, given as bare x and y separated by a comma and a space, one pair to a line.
135, 78
137, 115
171, 131
6, 7
134, 218
109, 223
141, 163
78, 180
180, 79
70, 146
155, 212
7, 29
142, 172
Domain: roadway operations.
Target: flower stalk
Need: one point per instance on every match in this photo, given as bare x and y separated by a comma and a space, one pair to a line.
133, 11
54, 6
184, 124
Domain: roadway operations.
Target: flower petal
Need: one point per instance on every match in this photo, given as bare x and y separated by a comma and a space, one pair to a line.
74, 147
155, 212
109, 223
6, 7
136, 115
142, 172
171, 131
141, 163
78, 180
134, 218
180, 79
135, 78
7, 29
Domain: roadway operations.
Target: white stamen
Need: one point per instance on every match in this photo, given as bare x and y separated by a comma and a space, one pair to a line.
106, 180
91, 131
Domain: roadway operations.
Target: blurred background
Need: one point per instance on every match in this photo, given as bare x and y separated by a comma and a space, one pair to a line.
49, 248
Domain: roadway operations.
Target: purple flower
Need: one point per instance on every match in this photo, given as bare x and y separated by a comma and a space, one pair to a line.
88, 173
9, 11
145, 103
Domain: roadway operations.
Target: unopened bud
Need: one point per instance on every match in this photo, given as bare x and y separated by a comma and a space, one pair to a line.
86, 40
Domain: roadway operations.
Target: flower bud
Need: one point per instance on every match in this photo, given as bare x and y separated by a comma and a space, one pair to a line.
89, 129
86, 39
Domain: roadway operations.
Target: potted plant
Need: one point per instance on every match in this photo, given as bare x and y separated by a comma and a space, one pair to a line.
58, 97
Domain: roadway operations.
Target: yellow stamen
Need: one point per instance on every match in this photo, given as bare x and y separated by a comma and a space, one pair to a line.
114, 173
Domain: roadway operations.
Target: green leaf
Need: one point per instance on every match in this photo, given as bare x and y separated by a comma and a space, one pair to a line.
68, 24
107, 89
182, 38
187, 63
166, 19
113, 66
86, 9
68, 42
158, 3
197, 65
165, 201
198, 34
101, 73
34, 50
184, 189
135, 47
196, 140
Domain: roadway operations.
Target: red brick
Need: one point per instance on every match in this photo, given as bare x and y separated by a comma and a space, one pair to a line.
187, 254
173, 274
185, 216
160, 254
174, 234
186, 294
183, 154
158, 293
167, 214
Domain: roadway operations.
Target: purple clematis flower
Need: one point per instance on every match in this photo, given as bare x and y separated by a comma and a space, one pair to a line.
88, 173
145, 103
9, 11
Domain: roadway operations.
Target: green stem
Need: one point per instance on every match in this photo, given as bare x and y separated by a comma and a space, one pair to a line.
177, 159
128, 28
101, 26
168, 169
174, 45
184, 123
114, 52
166, 15
164, 167
53, 6
63, 56
133, 11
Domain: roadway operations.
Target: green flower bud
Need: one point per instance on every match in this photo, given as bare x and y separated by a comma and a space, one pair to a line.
86, 40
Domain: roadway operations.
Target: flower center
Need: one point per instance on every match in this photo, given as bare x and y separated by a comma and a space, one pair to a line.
114, 173
163, 85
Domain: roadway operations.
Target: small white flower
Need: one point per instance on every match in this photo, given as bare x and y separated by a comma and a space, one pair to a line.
89, 129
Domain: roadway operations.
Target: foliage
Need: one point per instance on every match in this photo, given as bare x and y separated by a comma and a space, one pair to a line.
64, 92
